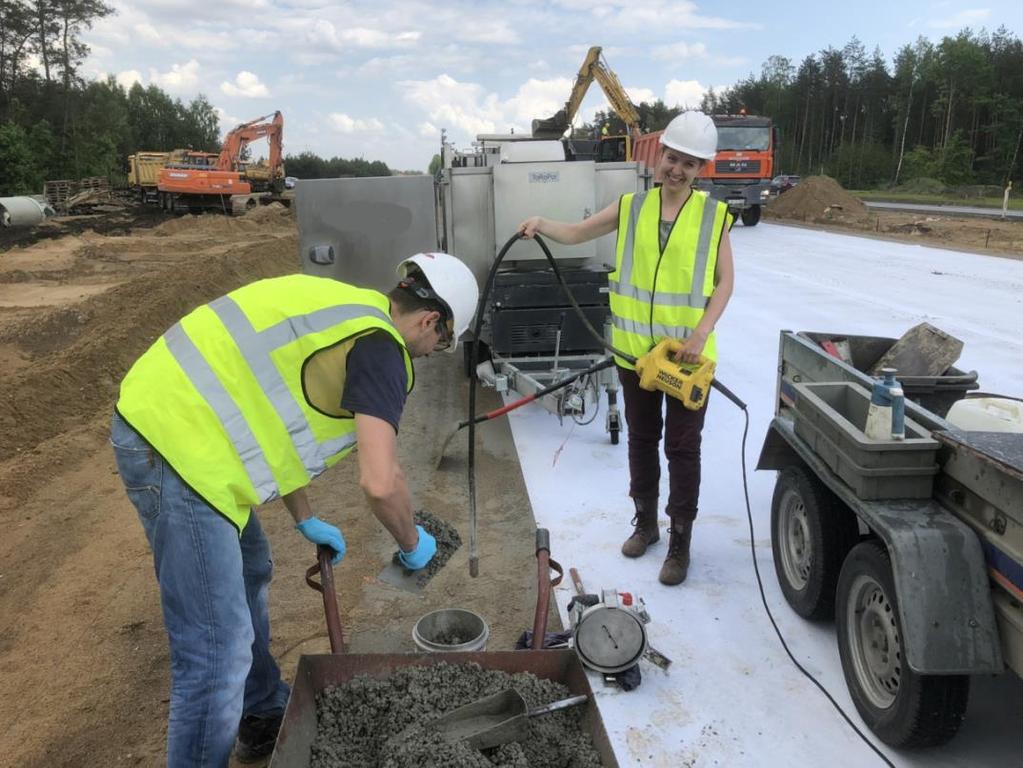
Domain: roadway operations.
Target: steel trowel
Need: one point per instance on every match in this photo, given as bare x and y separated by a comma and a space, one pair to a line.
397, 575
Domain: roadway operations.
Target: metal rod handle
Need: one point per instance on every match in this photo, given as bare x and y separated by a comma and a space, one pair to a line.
554, 706
325, 587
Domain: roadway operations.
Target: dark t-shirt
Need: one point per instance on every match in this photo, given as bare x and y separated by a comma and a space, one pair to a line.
376, 378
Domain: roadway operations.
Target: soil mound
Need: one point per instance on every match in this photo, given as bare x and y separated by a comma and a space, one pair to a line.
79, 351
816, 198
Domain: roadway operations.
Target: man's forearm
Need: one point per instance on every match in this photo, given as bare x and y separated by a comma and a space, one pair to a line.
298, 505
394, 511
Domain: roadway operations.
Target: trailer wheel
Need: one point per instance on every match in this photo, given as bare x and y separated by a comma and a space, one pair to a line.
903, 708
751, 216
811, 532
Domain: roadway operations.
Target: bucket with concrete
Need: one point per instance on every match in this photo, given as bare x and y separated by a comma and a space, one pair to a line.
451, 629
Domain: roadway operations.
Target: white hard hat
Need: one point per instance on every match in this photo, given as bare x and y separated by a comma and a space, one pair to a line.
692, 133
454, 284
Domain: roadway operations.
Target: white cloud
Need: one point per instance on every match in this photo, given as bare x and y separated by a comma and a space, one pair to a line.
490, 31
428, 130
967, 18
660, 15
469, 108
246, 85
535, 98
228, 122
639, 95
180, 78
207, 41
677, 51
342, 123
128, 78
683, 93
456, 105
322, 33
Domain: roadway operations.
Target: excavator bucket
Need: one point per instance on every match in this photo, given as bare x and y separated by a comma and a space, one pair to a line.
552, 127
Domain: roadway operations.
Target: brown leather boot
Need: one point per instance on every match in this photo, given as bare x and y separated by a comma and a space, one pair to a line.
646, 532
676, 564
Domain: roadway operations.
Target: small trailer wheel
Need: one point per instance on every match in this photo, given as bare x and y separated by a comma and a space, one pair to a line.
903, 708
613, 424
811, 532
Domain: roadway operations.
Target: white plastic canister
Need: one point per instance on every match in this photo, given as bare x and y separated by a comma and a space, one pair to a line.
987, 414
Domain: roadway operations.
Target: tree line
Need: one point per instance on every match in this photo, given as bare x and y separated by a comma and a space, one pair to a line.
54, 124
950, 111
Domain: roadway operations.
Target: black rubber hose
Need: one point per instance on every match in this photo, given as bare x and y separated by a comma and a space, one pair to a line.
474, 362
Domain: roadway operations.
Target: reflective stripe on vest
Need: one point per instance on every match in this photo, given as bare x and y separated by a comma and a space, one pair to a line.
256, 348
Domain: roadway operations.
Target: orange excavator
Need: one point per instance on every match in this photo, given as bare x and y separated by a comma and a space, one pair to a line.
231, 185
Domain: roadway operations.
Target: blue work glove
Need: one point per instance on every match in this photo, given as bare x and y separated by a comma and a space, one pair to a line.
422, 554
319, 532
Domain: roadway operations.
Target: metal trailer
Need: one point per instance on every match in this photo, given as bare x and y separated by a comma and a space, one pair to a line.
360, 229
922, 567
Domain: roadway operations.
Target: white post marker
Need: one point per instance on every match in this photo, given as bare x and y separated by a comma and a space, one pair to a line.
1005, 199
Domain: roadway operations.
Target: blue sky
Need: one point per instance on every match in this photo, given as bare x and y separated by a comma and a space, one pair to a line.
380, 80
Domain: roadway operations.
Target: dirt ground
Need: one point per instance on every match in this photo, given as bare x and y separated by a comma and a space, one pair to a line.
83, 656
820, 202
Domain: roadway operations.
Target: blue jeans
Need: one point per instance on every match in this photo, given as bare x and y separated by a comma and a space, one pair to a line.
213, 591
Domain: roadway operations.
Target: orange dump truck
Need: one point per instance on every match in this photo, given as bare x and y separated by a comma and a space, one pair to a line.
740, 173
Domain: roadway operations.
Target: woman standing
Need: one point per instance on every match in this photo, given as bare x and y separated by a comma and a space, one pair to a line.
673, 278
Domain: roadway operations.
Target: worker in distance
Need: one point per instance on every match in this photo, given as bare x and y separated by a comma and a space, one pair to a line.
673, 278
244, 400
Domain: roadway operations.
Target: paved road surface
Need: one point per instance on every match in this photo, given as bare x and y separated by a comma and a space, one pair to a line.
946, 210
732, 697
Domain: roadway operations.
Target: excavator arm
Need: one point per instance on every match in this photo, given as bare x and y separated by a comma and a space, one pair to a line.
593, 67
270, 127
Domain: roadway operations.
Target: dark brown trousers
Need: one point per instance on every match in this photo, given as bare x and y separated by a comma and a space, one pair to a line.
644, 414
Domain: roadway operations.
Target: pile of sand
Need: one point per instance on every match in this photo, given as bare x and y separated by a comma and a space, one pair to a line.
817, 198
80, 350
215, 223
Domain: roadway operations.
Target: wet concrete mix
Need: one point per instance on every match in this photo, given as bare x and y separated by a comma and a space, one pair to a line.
379, 722
448, 540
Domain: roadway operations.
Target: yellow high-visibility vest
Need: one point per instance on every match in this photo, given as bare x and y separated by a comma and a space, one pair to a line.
242, 396
655, 294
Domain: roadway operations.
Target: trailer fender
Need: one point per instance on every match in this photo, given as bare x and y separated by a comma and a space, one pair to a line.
941, 581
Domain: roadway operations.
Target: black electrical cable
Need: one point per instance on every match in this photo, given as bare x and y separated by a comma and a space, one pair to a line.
474, 359
770, 616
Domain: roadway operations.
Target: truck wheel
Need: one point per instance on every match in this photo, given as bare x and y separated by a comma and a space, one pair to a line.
903, 708
751, 216
811, 532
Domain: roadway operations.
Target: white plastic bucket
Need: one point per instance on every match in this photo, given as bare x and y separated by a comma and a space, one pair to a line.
451, 629
987, 414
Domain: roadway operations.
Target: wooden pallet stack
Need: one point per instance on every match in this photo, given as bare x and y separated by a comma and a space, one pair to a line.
58, 192
62, 194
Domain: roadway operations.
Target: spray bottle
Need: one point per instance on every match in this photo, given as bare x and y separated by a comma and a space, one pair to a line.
886, 417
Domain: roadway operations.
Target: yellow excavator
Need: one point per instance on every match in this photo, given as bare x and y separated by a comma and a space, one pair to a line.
595, 68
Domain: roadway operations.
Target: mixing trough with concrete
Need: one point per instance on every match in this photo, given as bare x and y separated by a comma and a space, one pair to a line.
357, 722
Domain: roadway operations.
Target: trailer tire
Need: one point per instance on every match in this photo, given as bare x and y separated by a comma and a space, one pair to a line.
811, 532
751, 216
903, 708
